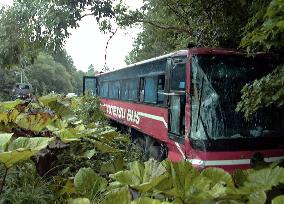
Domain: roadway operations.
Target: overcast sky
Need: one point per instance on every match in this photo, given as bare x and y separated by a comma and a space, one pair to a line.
87, 44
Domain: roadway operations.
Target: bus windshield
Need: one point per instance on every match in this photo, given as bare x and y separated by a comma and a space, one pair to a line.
217, 81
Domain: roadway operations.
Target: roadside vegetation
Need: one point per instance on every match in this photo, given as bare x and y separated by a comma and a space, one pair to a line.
57, 149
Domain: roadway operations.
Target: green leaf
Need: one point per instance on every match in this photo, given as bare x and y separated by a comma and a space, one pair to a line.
146, 200
265, 179
79, 201
48, 99
35, 143
119, 195
88, 183
4, 140
88, 154
113, 166
240, 177
217, 175
278, 200
12, 157
22, 149
4, 117
9, 105
36, 122
105, 147
61, 109
69, 135
142, 176
258, 197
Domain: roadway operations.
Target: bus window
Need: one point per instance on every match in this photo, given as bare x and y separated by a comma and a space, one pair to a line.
150, 89
104, 89
132, 86
114, 89
161, 88
141, 89
178, 76
90, 85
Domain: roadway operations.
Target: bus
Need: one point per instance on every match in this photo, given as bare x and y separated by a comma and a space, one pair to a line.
182, 106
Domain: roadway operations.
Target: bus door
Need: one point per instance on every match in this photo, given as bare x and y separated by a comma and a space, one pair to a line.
90, 85
175, 85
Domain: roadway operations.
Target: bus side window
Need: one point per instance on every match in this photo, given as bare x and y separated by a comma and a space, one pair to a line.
132, 85
123, 90
178, 77
104, 90
150, 94
141, 89
114, 89
161, 88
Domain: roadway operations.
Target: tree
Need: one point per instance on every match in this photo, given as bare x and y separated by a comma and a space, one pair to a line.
91, 70
265, 32
7, 80
31, 25
47, 75
171, 24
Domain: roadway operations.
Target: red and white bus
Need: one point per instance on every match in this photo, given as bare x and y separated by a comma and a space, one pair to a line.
182, 105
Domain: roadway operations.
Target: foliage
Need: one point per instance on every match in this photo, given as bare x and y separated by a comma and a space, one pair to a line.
46, 75
27, 27
95, 145
264, 32
20, 149
23, 185
182, 183
263, 93
170, 25
88, 183
92, 164
88, 109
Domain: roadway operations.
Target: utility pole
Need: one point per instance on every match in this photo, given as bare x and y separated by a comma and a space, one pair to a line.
21, 76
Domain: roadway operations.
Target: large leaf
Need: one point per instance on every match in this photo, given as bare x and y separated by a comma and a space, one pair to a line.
278, 200
142, 176
4, 140
22, 149
79, 201
217, 175
265, 179
105, 147
34, 122
146, 200
35, 143
69, 135
61, 109
48, 99
9, 105
88, 183
113, 165
257, 197
119, 195
4, 117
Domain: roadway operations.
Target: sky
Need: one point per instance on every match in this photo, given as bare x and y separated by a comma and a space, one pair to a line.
86, 45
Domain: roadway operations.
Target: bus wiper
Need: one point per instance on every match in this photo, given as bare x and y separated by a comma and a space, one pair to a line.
198, 115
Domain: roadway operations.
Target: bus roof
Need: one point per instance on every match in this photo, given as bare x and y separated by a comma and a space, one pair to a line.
173, 54
194, 50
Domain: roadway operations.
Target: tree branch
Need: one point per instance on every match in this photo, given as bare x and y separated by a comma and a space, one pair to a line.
165, 27
112, 34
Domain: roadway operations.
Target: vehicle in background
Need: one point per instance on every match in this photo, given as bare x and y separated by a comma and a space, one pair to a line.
182, 106
22, 91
